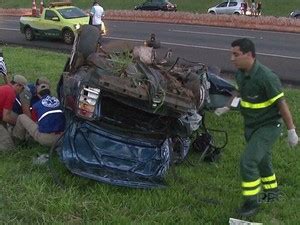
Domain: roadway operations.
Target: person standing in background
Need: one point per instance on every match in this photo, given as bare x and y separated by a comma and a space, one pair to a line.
258, 9
97, 12
245, 8
3, 70
253, 8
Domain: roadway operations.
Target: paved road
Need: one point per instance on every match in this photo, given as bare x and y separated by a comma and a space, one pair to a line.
210, 45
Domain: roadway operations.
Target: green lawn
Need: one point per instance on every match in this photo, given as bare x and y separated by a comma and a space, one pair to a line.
270, 7
202, 194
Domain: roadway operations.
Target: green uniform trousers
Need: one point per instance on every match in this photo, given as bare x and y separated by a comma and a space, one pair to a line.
256, 160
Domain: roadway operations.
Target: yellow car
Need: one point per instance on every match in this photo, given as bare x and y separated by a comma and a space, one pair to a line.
59, 20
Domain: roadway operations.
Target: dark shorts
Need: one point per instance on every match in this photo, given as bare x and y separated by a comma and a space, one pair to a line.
99, 26
100, 39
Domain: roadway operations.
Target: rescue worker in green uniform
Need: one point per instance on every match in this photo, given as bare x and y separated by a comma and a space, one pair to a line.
263, 106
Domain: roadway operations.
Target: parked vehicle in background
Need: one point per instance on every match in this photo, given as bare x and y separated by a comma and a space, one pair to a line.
57, 21
153, 5
228, 7
295, 14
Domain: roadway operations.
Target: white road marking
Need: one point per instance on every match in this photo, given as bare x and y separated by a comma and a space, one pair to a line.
279, 56
241, 29
3, 28
217, 27
184, 45
215, 34
204, 47
3, 20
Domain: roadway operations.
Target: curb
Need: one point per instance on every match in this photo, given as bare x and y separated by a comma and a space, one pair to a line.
260, 23
15, 12
271, 23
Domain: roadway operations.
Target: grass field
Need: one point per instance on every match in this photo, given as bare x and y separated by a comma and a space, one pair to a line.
270, 7
202, 194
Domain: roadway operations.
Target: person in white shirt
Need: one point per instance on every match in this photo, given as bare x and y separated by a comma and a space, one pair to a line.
96, 13
3, 70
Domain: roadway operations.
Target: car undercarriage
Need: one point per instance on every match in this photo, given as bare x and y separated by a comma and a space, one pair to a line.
129, 112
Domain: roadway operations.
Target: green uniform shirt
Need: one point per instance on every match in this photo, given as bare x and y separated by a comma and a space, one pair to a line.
259, 90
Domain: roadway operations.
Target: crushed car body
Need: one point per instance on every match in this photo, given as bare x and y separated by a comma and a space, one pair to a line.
130, 114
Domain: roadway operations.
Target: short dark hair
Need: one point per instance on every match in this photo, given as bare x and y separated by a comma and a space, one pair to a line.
245, 44
44, 92
96, 2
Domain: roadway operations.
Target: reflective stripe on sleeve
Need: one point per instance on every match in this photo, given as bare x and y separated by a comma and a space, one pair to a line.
17, 100
50, 112
262, 104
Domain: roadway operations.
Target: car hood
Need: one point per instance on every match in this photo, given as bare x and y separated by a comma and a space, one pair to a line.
74, 21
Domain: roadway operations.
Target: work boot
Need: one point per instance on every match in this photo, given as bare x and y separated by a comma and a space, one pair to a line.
249, 208
270, 195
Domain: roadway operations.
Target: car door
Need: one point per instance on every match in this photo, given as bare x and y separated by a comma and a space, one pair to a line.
221, 8
148, 5
232, 6
51, 25
156, 4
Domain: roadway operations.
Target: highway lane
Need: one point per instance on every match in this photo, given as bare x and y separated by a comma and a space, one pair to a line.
210, 45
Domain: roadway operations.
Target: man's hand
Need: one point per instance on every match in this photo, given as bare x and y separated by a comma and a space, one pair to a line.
220, 111
292, 137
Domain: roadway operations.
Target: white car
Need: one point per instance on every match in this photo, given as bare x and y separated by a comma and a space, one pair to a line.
227, 7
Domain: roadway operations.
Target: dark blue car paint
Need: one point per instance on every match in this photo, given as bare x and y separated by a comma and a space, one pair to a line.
93, 152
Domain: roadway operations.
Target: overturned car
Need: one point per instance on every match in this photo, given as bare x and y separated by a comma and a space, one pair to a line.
130, 114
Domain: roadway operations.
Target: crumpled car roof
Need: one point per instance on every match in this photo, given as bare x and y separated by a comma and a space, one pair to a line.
142, 110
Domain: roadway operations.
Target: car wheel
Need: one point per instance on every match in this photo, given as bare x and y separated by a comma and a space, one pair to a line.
88, 40
212, 12
29, 35
297, 17
68, 36
236, 13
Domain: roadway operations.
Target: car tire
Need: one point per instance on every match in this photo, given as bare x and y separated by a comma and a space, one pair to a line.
29, 35
212, 12
297, 17
236, 13
88, 40
68, 36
